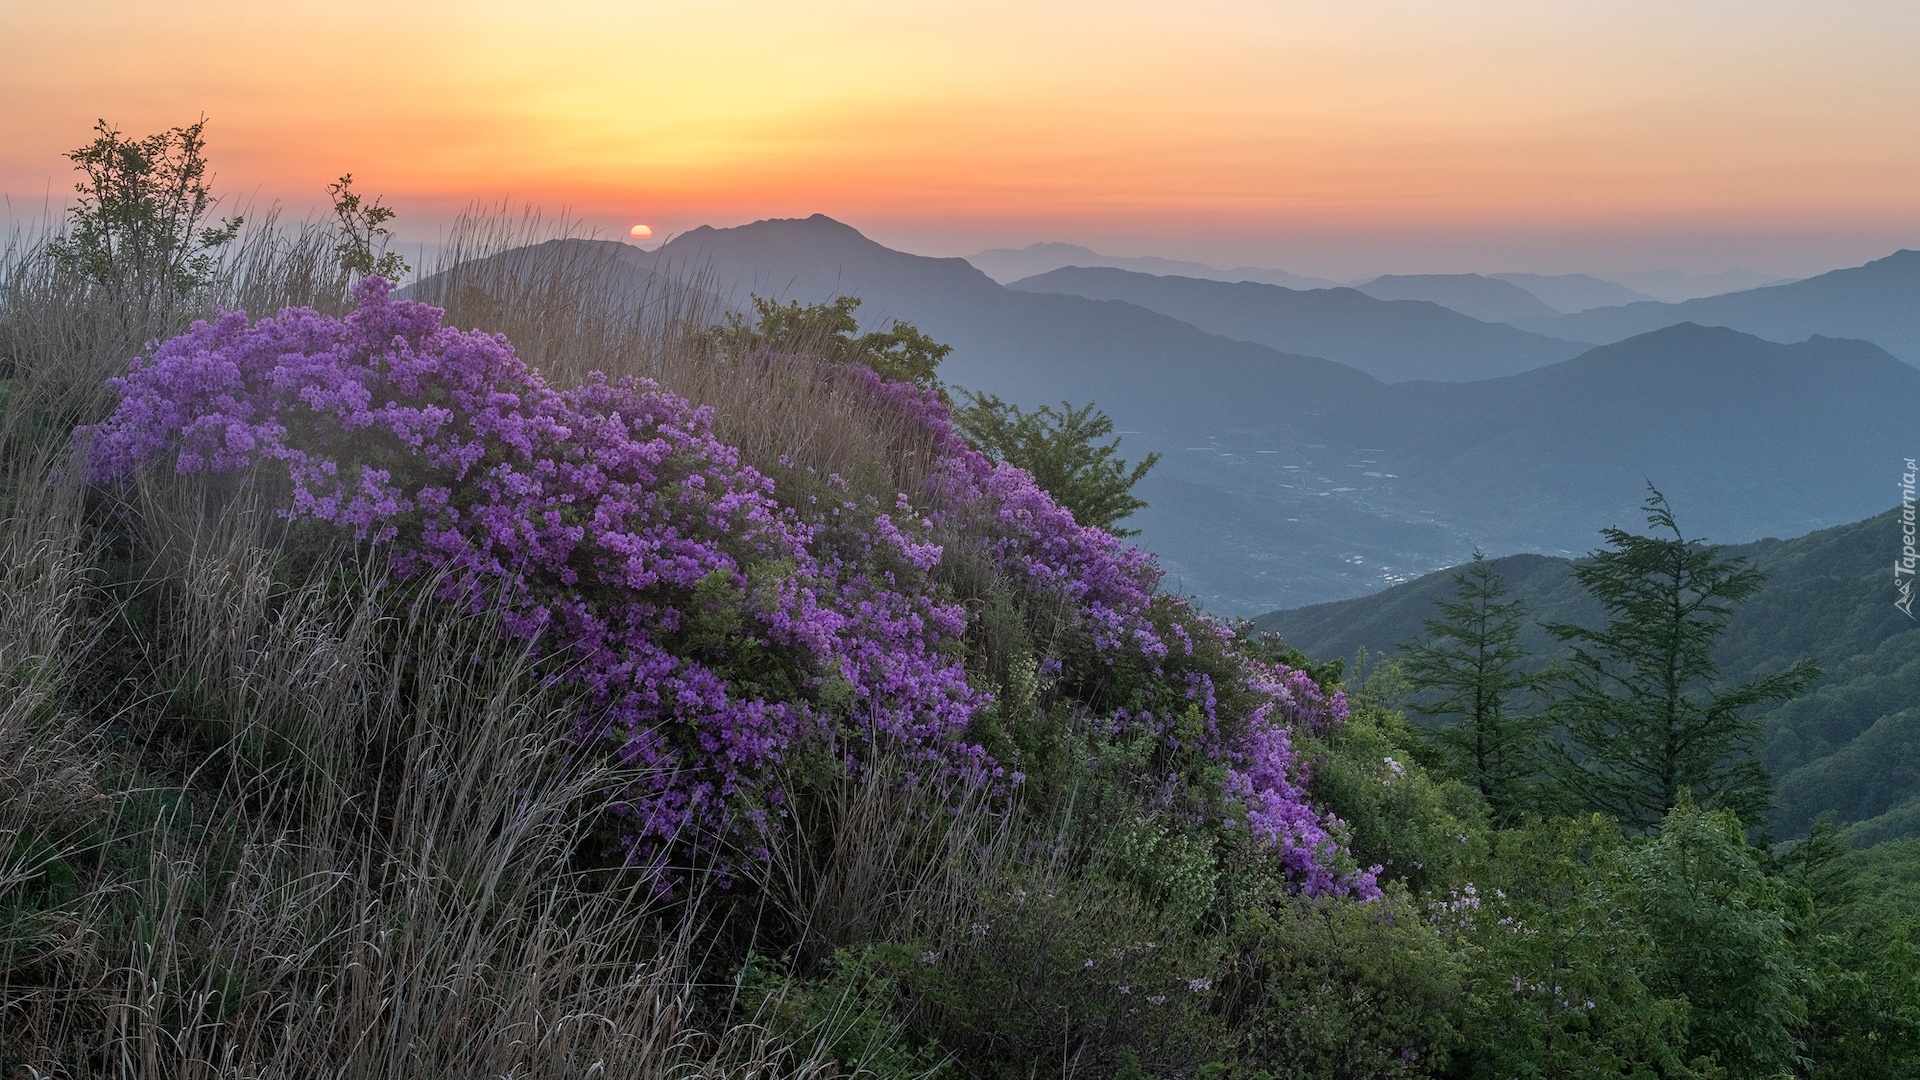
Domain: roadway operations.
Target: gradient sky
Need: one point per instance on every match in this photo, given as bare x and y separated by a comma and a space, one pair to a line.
1340, 137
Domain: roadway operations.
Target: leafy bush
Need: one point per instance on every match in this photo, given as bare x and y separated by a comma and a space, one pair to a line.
1062, 452
1721, 935
137, 225
1329, 989
900, 353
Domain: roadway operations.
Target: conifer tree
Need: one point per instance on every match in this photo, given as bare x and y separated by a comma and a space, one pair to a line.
1466, 675
1647, 722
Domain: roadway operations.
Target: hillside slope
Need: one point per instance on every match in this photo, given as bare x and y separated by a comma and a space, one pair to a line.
1546, 457
1849, 747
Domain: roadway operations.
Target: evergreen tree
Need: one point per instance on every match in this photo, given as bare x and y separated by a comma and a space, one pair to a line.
1647, 723
1465, 675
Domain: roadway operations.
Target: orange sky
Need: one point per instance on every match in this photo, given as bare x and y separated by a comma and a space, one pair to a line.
1325, 137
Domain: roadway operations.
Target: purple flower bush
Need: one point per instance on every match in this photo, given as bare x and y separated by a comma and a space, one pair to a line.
719, 633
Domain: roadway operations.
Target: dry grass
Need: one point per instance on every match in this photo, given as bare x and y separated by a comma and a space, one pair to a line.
62, 337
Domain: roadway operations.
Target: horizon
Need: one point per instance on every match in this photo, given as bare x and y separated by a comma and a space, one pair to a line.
1377, 138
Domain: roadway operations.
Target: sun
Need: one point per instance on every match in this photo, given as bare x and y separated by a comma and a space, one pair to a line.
642, 232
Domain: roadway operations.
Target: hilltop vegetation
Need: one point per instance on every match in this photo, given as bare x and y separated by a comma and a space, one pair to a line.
519, 678
1840, 749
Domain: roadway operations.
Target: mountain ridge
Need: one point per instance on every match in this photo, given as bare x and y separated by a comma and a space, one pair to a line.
1006, 265
1878, 301
1393, 340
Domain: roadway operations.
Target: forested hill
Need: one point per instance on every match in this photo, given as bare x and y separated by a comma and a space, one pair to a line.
1850, 746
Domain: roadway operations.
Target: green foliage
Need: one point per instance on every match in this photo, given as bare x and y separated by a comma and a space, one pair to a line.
845, 1015
1555, 953
1639, 699
1070, 972
137, 226
1322, 988
1422, 829
363, 234
1858, 942
1466, 674
900, 353
1722, 940
1844, 747
1064, 452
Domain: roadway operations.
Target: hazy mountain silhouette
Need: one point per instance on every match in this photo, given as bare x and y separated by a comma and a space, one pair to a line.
1011, 264
1877, 302
1674, 286
1753, 438
1291, 479
1393, 340
1145, 368
1851, 745
1759, 438
1483, 298
1569, 293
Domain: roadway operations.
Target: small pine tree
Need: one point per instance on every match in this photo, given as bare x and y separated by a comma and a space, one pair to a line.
1063, 452
1647, 723
1465, 675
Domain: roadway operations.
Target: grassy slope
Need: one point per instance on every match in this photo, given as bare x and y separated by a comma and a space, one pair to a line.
1851, 746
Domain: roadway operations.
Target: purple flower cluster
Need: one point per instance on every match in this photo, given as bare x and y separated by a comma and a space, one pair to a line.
1110, 588
721, 634
1265, 776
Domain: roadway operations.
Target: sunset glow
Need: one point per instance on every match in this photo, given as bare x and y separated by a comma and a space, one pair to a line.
1531, 136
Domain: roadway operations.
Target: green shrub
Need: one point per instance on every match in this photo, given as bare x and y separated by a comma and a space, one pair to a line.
1325, 988
845, 1015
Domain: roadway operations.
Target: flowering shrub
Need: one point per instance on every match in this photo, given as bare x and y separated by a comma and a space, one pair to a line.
608, 523
721, 633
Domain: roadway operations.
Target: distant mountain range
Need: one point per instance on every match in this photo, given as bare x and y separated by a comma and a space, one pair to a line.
1484, 298
1293, 478
1878, 302
1850, 746
1392, 340
1673, 286
1569, 293
1011, 264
